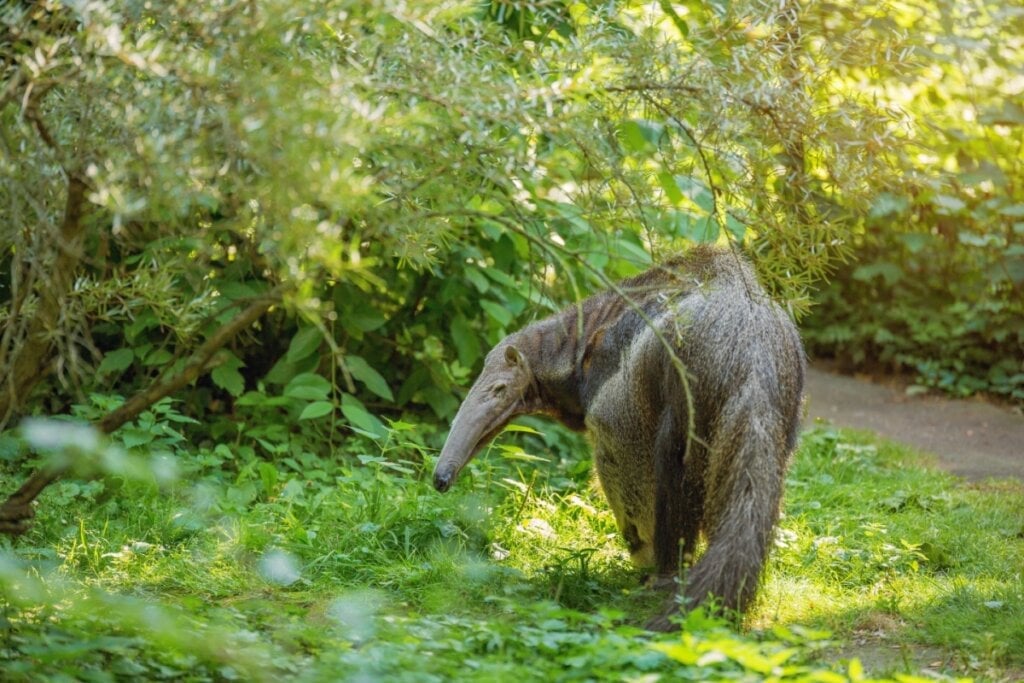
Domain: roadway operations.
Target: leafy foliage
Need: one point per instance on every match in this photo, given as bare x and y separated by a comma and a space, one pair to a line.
935, 287
402, 184
405, 175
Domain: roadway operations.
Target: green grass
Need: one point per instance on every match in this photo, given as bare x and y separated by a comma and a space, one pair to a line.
355, 569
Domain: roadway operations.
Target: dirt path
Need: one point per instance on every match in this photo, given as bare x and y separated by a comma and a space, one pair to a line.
973, 439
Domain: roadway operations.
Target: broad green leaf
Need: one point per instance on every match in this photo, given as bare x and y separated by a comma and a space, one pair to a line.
116, 361
268, 474
670, 11
889, 272
226, 374
628, 250
668, 183
356, 313
978, 240
466, 342
499, 313
696, 191
522, 428
478, 279
640, 135
305, 343
916, 241
258, 398
316, 409
158, 357
1010, 114
948, 204
1013, 210
373, 380
887, 204
133, 437
285, 371
308, 386
229, 379
514, 452
736, 228
358, 416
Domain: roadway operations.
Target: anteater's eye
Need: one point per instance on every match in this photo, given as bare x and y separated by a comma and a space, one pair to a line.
498, 389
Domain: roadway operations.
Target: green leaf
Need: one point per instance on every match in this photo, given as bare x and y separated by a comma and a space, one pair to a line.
133, 437
1011, 114
736, 228
696, 191
670, 186
305, 343
946, 204
477, 278
632, 252
522, 428
226, 375
316, 409
373, 380
355, 313
667, 8
158, 357
308, 386
915, 242
640, 135
889, 272
467, 344
499, 313
1013, 210
887, 204
116, 361
229, 379
268, 474
359, 417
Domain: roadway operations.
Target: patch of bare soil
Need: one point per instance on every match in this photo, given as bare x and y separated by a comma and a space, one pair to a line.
975, 439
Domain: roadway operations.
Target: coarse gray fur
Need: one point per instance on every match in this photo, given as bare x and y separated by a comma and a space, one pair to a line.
688, 441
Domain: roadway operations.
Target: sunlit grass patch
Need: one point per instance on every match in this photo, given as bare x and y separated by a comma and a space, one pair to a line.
872, 543
364, 571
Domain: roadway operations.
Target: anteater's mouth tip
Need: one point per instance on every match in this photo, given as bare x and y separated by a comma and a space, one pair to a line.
443, 480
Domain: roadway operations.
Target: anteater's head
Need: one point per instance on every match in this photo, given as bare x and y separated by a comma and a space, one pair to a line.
504, 389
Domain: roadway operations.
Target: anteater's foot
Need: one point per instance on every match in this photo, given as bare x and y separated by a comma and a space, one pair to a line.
15, 518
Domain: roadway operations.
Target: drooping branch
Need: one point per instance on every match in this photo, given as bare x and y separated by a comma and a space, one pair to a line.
196, 365
16, 511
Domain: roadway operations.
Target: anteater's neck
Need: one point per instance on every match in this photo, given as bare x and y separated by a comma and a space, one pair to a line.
559, 351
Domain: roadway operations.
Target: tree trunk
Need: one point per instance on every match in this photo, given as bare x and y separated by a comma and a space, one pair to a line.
21, 369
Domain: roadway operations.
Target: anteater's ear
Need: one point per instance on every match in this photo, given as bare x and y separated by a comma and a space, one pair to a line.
512, 356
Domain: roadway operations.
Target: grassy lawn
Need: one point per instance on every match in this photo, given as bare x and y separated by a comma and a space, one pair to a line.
355, 569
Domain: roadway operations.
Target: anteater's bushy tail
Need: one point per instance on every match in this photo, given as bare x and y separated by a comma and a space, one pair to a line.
746, 469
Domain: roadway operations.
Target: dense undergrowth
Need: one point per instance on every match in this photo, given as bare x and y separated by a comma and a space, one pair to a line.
354, 568
934, 284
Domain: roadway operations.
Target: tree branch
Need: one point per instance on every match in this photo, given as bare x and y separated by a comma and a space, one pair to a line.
16, 511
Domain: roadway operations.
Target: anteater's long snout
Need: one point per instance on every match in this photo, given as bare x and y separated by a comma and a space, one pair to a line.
459, 447
494, 399
480, 417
